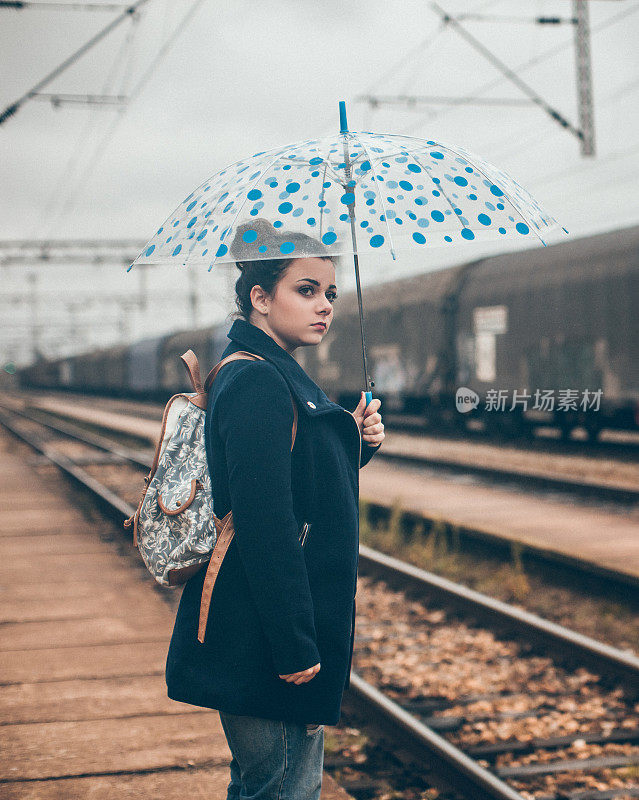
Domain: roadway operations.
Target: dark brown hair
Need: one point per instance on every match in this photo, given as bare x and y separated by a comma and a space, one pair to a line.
266, 272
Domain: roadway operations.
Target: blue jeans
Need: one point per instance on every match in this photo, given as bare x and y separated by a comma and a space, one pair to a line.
273, 760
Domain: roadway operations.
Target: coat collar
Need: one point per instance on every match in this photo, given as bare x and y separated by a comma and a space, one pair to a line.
245, 336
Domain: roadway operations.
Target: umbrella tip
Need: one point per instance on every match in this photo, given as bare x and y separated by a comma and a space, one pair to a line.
565, 231
128, 269
343, 124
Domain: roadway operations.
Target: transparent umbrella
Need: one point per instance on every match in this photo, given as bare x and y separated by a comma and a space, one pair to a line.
349, 194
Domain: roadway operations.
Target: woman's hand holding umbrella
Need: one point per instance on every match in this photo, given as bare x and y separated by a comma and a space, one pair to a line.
369, 421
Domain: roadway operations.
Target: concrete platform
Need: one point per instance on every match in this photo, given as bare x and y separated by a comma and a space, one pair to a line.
83, 641
605, 538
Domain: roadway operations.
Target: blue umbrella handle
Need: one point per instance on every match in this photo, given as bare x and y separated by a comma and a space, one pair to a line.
369, 397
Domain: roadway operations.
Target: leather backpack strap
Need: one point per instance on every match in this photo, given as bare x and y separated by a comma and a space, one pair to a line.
192, 365
238, 356
226, 529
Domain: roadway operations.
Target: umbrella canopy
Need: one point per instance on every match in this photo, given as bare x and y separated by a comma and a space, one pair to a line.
402, 193
346, 194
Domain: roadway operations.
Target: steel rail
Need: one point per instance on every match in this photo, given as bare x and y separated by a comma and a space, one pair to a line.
566, 642
601, 491
86, 437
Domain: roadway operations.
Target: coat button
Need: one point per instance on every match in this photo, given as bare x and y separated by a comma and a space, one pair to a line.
312, 405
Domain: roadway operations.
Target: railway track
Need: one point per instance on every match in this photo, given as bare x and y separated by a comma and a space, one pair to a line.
570, 568
536, 479
566, 705
529, 481
612, 444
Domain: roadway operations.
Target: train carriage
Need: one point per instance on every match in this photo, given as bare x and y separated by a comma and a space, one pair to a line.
557, 319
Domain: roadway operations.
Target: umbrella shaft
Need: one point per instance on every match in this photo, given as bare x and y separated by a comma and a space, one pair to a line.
361, 317
351, 214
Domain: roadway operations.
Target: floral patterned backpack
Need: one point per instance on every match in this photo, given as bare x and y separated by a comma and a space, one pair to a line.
174, 526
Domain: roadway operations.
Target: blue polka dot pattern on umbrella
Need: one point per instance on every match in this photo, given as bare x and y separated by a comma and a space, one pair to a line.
287, 247
306, 188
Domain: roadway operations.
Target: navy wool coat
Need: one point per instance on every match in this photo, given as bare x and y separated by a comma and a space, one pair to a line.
278, 606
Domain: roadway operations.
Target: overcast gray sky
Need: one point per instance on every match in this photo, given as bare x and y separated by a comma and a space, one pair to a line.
248, 76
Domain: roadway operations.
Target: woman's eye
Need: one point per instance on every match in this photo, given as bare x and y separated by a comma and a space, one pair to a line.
332, 296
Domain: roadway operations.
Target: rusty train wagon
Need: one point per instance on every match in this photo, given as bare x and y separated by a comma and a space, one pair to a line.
207, 344
559, 320
405, 340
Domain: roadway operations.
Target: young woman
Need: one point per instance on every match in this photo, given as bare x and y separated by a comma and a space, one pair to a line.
277, 654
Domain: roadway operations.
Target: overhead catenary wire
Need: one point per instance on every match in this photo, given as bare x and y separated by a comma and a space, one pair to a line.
526, 143
535, 137
19, 5
419, 49
13, 108
48, 219
104, 142
522, 67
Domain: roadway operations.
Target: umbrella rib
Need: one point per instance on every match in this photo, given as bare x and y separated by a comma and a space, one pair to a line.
217, 202
246, 198
201, 228
321, 208
327, 162
390, 236
518, 211
438, 185
532, 224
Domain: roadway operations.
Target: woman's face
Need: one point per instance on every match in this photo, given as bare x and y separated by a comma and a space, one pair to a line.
303, 297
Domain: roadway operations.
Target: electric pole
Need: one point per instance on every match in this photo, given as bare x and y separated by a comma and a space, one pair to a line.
584, 77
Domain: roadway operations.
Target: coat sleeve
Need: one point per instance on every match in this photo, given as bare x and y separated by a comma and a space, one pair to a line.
368, 451
255, 425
